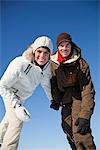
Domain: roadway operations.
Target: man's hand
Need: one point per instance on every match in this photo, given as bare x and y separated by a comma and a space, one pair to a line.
55, 105
83, 125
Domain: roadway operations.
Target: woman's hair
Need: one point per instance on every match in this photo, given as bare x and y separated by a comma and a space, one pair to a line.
46, 48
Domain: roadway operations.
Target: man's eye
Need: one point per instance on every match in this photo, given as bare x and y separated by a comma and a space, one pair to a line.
68, 44
61, 45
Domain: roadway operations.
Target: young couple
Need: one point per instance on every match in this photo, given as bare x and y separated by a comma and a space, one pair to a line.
65, 78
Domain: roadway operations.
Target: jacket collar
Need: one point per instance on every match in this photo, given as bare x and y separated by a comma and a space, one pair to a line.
75, 56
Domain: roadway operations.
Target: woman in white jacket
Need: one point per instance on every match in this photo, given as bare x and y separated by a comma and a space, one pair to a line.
18, 83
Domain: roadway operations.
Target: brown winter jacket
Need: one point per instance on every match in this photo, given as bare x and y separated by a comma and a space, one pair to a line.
71, 80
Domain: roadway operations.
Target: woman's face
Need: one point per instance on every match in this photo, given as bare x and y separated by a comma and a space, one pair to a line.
64, 48
42, 56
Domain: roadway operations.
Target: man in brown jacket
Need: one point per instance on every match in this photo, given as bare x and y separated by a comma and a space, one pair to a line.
73, 90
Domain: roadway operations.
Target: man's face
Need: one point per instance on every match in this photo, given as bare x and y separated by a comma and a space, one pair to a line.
64, 48
42, 56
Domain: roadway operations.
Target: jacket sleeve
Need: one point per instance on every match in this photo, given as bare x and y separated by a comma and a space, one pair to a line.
10, 76
54, 89
45, 83
54, 86
88, 92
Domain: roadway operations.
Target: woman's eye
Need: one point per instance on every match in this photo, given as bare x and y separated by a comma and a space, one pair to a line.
46, 53
39, 51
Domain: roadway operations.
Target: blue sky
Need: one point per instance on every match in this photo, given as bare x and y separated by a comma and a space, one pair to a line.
23, 21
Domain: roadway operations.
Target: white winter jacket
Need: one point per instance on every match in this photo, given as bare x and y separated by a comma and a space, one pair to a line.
22, 77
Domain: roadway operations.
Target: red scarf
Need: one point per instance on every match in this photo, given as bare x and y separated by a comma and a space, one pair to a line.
60, 58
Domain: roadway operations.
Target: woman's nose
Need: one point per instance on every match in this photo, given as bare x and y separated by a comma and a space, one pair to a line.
42, 55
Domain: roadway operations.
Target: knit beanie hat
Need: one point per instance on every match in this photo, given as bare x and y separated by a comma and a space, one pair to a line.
63, 37
42, 41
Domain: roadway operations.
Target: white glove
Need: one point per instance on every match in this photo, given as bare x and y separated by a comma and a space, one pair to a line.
21, 112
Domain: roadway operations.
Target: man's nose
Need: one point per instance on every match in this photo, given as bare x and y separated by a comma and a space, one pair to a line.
64, 47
